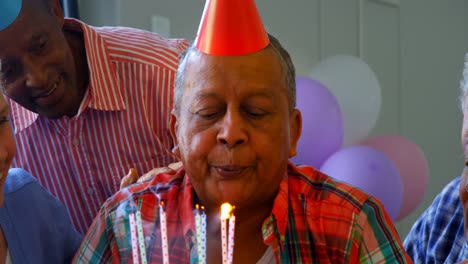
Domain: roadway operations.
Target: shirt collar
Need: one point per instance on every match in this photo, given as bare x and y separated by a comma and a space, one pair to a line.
104, 91
186, 208
274, 227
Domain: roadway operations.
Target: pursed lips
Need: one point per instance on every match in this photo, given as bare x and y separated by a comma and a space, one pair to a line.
230, 171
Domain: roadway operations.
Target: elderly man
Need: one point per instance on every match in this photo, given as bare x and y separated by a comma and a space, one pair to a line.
235, 126
440, 234
87, 103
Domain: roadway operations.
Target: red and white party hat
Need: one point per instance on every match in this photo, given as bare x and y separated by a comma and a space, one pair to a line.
231, 27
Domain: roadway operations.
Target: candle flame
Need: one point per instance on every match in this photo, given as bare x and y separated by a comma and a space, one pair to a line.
226, 210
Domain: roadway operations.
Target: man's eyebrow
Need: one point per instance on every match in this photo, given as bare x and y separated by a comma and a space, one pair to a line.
265, 92
202, 95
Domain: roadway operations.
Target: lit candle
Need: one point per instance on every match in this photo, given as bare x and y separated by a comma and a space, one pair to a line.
133, 233
232, 225
225, 214
163, 225
201, 234
198, 229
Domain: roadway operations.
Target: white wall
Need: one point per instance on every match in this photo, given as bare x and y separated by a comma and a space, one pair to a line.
416, 49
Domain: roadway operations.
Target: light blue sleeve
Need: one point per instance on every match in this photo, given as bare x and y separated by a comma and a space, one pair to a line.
36, 225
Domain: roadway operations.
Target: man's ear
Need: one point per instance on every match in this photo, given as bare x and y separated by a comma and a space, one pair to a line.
295, 130
57, 11
173, 127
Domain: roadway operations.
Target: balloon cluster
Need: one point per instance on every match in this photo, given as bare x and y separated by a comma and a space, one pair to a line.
340, 104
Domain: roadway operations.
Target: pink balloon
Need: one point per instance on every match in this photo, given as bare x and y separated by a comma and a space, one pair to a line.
411, 164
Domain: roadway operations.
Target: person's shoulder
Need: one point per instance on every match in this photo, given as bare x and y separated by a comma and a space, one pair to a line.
449, 197
451, 190
23, 192
446, 204
17, 179
128, 39
317, 186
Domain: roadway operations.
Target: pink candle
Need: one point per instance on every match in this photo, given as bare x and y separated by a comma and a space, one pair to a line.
163, 225
232, 225
225, 214
224, 240
133, 234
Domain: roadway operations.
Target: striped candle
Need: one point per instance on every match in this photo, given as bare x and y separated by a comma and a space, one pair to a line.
163, 225
225, 214
232, 225
141, 238
200, 230
134, 238
203, 237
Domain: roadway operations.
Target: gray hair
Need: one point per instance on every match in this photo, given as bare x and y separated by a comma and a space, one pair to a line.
287, 65
464, 83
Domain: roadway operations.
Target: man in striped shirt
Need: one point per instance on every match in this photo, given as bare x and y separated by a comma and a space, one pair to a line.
87, 103
235, 126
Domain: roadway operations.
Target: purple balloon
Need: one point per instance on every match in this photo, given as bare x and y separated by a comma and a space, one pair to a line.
322, 123
369, 170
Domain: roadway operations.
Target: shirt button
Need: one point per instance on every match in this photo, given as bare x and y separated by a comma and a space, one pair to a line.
90, 191
76, 142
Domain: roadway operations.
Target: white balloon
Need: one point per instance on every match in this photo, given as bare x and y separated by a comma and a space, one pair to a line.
357, 90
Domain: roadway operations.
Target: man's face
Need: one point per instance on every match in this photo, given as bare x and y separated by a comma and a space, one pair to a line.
36, 64
234, 132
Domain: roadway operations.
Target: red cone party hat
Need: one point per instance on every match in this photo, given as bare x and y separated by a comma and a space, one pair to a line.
230, 27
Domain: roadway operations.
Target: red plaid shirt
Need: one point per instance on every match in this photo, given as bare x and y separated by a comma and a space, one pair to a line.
314, 220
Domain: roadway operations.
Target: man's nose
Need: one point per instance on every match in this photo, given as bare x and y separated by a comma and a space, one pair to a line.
232, 131
35, 74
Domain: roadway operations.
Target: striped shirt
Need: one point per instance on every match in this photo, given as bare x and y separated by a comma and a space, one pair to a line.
122, 121
314, 220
